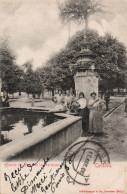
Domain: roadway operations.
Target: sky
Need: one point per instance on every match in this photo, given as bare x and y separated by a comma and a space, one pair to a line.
35, 31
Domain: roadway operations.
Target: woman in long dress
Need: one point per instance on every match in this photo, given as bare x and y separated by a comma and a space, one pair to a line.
95, 117
81, 106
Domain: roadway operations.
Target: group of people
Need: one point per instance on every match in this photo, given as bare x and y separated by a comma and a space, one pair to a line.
89, 110
64, 100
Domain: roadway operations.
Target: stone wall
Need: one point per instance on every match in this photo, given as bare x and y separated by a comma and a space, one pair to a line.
50, 142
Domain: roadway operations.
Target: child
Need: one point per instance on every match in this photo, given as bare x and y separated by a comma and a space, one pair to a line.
125, 106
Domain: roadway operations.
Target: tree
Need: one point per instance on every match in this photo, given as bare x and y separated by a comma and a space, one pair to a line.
32, 81
11, 73
110, 61
78, 11
56, 74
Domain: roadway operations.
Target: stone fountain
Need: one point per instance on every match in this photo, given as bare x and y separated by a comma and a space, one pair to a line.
85, 77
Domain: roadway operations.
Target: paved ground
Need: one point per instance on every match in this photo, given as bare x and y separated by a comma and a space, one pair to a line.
23, 102
114, 138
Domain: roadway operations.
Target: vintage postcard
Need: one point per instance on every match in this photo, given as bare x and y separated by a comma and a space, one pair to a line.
63, 96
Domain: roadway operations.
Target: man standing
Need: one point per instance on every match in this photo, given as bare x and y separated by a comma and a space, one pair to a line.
5, 100
102, 93
125, 106
107, 99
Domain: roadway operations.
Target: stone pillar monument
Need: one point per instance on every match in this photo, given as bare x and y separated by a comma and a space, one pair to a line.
86, 82
85, 75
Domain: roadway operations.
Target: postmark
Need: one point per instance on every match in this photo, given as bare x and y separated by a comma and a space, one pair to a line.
80, 159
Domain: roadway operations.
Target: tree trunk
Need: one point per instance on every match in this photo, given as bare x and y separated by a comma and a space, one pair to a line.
0, 86
112, 93
69, 29
39, 95
126, 83
42, 94
52, 92
0, 122
86, 25
32, 103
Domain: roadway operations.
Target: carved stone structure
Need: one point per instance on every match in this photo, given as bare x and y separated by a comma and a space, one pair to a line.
86, 79
86, 82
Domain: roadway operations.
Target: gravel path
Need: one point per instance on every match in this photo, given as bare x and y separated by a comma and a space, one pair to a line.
114, 138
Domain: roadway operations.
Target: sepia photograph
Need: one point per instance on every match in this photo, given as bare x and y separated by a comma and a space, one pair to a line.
63, 96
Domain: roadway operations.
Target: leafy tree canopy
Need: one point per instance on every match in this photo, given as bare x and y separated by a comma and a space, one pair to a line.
110, 61
11, 74
78, 11
32, 80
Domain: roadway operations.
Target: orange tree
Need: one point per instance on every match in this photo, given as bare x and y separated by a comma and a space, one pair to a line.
110, 62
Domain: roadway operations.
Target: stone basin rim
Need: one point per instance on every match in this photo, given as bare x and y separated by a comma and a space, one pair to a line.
18, 146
